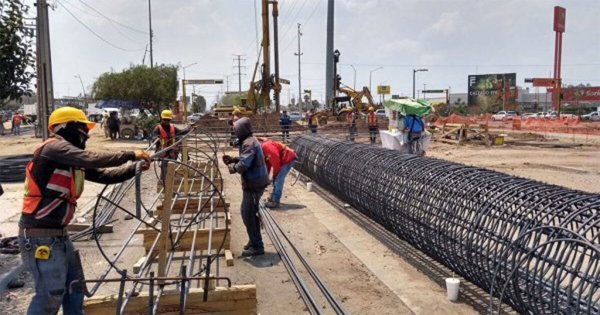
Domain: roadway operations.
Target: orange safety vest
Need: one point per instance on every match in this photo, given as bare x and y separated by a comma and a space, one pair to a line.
17, 119
350, 118
69, 183
313, 119
372, 120
167, 139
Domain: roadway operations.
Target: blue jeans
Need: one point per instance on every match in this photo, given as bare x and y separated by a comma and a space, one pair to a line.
280, 180
249, 210
17, 130
53, 276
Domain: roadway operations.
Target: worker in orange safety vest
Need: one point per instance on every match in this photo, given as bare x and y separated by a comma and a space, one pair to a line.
372, 124
54, 180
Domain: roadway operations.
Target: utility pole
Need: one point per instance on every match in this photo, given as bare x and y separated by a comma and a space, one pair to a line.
299, 54
239, 71
150, 27
277, 85
44, 67
83, 89
329, 71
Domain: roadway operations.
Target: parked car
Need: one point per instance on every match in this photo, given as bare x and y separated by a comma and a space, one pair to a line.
380, 113
504, 115
591, 116
194, 117
529, 115
295, 116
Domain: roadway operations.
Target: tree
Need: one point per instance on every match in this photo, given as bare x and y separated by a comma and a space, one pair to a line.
153, 88
199, 104
16, 56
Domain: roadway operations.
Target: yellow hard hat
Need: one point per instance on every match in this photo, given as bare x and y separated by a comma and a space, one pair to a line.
166, 114
371, 108
236, 111
68, 114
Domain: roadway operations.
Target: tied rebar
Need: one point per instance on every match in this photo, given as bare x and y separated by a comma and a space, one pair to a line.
529, 244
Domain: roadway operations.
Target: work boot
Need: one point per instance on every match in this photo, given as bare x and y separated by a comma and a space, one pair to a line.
272, 204
248, 245
253, 252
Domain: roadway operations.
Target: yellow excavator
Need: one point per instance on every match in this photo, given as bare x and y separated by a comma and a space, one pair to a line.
355, 98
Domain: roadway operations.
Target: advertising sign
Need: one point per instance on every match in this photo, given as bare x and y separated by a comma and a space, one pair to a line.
491, 92
580, 94
383, 89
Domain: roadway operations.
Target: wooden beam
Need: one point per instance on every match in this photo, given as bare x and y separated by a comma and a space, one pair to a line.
165, 222
228, 258
239, 299
186, 241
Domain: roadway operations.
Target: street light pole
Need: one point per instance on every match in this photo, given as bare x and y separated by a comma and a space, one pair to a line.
354, 86
370, 76
414, 72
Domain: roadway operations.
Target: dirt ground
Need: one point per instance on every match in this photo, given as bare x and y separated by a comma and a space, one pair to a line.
364, 275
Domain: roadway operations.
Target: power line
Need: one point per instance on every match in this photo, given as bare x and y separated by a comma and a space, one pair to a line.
113, 20
317, 5
456, 66
113, 24
239, 67
96, 34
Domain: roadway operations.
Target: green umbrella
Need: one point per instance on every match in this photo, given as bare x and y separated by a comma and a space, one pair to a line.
409, 106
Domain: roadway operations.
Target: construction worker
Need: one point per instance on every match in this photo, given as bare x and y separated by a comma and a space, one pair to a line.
280, 158
415, 127
167, 134
16, 124
351, 123
372, 124
313, 120
114, 125
251, 165
53, 183
285, 121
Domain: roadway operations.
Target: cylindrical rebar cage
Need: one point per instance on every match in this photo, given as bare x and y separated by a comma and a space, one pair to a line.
533, 245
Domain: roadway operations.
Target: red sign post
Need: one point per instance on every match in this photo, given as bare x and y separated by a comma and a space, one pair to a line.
559, 28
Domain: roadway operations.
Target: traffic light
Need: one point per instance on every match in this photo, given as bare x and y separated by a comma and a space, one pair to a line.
338, 81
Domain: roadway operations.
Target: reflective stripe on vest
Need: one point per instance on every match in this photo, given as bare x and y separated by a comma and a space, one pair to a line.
372, 120
69, 183
165, 140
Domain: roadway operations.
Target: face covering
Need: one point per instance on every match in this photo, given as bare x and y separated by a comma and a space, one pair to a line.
75, 133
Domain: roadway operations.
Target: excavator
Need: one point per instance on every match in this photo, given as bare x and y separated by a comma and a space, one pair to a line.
353, 97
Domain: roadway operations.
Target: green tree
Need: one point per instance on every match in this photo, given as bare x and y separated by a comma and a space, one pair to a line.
199, 104
231, 100
16, 56
154, 88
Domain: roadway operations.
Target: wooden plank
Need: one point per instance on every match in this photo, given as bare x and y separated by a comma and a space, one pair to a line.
239, 299
228, 258
165, 222
186, 242
138, 265
77, 227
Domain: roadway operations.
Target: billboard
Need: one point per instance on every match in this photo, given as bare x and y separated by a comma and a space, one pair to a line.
492, 92
576, 94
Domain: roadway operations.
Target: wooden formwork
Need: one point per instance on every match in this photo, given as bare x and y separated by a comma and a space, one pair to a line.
185, 198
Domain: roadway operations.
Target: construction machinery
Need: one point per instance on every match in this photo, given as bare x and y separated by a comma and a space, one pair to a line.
354, 99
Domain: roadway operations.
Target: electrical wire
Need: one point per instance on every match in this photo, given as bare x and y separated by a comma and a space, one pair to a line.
113, 20
96, 34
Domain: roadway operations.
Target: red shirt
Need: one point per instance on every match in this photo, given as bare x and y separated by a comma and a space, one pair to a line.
276, 155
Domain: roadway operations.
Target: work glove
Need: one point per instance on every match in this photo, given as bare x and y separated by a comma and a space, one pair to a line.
231, 168
228, 159
142, 155
145, 166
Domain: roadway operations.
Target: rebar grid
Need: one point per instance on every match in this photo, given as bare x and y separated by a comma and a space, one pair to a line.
533, 245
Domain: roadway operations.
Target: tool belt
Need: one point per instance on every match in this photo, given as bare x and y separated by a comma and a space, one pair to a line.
42, 232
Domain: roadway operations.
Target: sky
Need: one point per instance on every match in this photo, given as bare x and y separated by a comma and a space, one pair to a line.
450, 38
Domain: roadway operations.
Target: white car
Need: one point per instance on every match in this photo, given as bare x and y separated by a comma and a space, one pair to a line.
295, 116
380, 113
529, 115
591, 116
194, 117
504, 115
